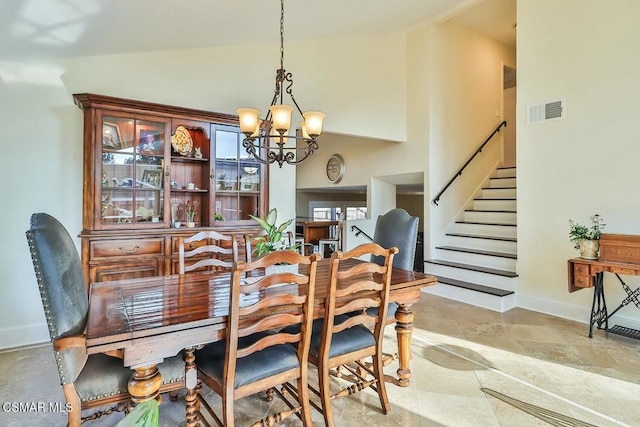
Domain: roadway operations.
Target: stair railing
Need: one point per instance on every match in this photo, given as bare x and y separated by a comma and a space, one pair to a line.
478, 151
359, 232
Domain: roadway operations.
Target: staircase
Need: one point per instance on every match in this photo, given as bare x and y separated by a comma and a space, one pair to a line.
477, 262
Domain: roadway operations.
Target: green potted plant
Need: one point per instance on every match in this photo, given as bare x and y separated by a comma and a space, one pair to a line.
273, 239
586, 238
145, 414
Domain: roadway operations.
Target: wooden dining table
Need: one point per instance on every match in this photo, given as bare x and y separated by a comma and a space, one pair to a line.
150, 319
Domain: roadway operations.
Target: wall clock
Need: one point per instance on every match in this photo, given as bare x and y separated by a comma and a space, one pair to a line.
335, 168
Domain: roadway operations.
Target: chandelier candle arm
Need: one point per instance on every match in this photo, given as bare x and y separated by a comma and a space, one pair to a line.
265, 139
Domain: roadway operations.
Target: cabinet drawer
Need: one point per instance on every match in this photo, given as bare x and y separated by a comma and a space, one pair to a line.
583, 281
580, 270
133, 247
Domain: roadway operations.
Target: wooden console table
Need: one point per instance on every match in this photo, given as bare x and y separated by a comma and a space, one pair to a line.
620, 255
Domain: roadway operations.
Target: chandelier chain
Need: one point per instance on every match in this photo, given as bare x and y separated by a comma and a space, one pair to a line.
268, 147
282, 34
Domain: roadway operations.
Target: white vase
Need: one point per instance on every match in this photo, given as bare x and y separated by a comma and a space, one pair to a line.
281, 268
589, 249
191, 224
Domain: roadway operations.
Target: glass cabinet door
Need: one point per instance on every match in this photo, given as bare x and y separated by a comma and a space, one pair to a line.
237, 176
132, 182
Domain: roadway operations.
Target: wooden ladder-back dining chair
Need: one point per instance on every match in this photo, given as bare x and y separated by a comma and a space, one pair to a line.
209, 249
256, 354
343, 336
88, 381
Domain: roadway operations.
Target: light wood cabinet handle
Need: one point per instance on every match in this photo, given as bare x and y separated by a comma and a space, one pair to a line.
129, 251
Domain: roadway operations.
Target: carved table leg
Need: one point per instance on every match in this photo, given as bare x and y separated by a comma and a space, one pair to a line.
145, 384
404, 328
191, 379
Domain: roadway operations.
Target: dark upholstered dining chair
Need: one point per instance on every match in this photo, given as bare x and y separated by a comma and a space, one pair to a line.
256, 355
343, 337
397, 228
88, 381
209, 250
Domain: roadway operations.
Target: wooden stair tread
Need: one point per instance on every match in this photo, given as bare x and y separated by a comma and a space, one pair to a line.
474, 287
478, 252
495, 200
491, 211
480, 236
472, 267
499, 188
486, 223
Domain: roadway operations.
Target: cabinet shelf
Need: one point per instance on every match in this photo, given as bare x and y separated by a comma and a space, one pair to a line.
124, 188
180, 159
184, 190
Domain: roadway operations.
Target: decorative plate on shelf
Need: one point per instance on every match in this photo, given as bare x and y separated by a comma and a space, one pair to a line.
181, 141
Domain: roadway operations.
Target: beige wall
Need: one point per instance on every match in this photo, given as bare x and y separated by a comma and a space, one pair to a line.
41, 161
461, 77
509, 133
363, 158
586, 52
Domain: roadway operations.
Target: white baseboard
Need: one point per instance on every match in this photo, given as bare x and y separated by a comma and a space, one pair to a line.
24, 335
552, 308
578, 314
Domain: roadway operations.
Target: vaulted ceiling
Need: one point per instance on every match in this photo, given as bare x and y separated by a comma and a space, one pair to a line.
47, 29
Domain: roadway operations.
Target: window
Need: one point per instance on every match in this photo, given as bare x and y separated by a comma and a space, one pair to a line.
322, 211
356, 212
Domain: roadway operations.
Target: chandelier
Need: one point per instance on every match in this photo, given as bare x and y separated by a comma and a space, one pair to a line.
269, 136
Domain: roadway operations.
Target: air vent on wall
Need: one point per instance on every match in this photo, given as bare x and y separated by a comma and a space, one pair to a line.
548, 111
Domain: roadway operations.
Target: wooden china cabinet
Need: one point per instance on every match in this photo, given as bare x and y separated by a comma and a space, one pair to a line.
144, 165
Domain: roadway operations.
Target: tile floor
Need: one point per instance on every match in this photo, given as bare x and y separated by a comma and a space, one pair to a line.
471, 367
